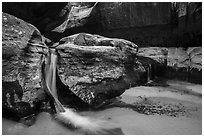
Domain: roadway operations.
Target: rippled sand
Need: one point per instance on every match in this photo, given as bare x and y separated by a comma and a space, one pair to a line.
174, 93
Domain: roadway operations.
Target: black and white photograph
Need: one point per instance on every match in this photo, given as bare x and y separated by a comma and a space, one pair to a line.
101, 68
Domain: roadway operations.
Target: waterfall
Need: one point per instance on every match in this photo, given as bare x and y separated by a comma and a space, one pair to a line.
51, 73
50, 79
67, 115
149, 73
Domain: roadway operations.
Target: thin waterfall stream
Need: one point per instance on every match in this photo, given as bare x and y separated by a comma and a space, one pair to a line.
50, 79
51, 73
149, 73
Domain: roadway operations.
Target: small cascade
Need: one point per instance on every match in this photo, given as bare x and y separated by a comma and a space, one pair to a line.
51, 73
149, 73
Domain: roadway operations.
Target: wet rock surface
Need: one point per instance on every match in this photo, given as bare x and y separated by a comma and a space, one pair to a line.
23, 51
185, 64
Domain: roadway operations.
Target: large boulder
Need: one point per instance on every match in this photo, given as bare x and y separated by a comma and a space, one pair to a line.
97, 68
23, 50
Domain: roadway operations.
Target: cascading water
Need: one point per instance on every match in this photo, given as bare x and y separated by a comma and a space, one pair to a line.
149, 73
50, 79
66, 115
51, 72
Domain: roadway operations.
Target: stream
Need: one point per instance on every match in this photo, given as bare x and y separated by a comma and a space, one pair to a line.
173, 108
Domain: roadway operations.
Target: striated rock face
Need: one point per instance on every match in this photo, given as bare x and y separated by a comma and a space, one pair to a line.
155, 24
96, 68
189, 24
118, 15
166, 24
23, 51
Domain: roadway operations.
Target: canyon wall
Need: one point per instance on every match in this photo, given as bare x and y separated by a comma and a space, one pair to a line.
146, 24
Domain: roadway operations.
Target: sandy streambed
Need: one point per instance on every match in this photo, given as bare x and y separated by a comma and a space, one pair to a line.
175, 108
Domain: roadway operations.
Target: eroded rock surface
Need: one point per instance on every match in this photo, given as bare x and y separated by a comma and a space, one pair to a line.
96, 68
